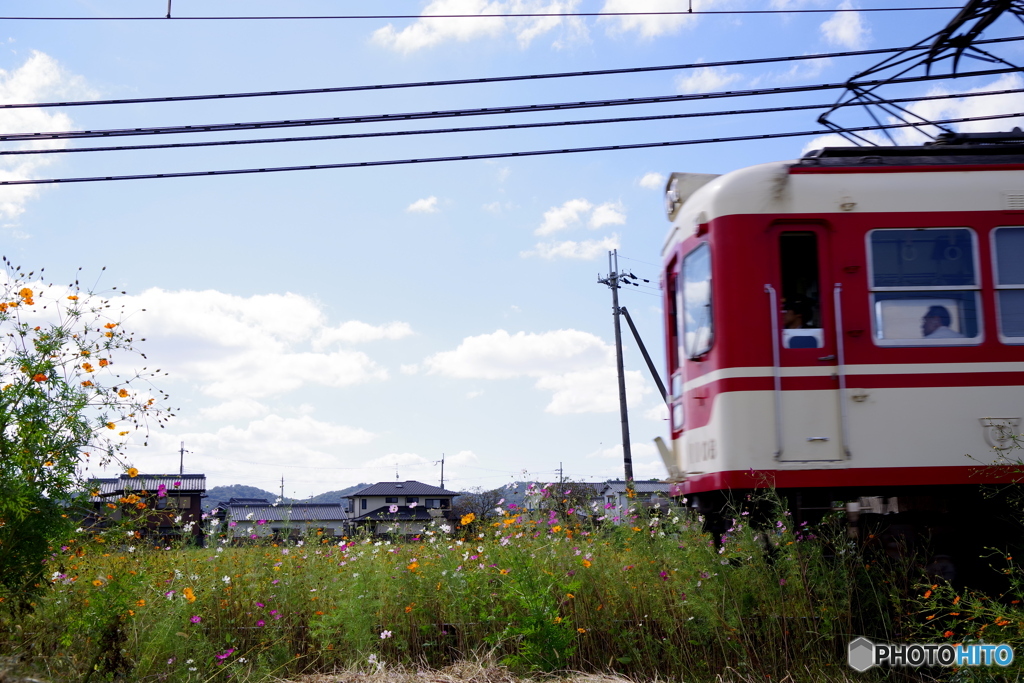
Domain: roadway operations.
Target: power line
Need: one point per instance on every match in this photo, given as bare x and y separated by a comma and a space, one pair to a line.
481, 111
477, 157
476, 81
523, 15
474, 129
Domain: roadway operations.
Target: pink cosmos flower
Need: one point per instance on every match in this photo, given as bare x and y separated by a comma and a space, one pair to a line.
161, 491
196, 619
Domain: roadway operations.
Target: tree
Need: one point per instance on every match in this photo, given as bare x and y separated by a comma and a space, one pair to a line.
64, 402
479, 502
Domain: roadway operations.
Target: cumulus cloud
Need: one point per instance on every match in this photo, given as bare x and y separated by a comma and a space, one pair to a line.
706, 79
935, 110
652, 181
357, 332
427, 205
41, 78
563, 217
230, 346
651, 26
846, 29
236, 409
586, 250
576, 367
608, 213
425, 33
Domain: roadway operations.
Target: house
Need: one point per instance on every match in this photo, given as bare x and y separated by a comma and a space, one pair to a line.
649, 494
258, 518
171, 504
399, 507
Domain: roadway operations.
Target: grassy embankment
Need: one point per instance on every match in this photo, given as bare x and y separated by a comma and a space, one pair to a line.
650, 598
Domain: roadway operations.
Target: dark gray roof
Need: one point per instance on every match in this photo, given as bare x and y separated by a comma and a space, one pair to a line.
296, 512
402, 488
175, 483
638, 486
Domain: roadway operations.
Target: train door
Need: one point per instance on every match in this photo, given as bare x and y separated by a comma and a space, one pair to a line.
808, 421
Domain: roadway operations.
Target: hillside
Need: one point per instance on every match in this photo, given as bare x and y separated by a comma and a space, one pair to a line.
222, 493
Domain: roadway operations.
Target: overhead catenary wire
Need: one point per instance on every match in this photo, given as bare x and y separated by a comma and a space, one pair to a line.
379, 17
474, 129
478, 81
479, 157
478, 111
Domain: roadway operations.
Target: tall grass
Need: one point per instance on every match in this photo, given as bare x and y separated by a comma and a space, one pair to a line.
652, 597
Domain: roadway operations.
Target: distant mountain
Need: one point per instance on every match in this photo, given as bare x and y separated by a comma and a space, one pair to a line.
333, 496
220, 494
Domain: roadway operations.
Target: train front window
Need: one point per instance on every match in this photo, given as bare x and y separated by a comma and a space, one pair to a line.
924, 287
1008, 251
801, 314
693, 299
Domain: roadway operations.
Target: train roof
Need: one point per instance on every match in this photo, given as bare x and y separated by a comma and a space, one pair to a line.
951, 174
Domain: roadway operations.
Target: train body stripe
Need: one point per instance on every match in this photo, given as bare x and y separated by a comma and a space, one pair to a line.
861, 477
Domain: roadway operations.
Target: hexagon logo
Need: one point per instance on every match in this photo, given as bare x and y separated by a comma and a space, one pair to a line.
861, 654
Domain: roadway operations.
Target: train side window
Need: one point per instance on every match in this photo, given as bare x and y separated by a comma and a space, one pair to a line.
801, 314
1008, 251
693, 300
924, 287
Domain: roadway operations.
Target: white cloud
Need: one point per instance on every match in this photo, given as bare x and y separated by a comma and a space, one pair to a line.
236, 409
426, 33
706, 79
357, 332
563, 217
657, 412
427, 205
846, 29
230, 346
652, 181
651, 26
409, 369
41, 78
934, 110
474, 394
607, 214
576, 367
586, 250
967, 107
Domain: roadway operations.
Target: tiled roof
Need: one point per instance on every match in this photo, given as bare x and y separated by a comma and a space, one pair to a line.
404, 514
402, 488
297, 512
175, 483
638, 486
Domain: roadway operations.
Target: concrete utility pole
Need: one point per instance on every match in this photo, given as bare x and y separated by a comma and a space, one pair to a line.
181, 462
613, 282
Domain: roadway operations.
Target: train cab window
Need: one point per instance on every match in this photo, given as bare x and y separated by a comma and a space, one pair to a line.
924, 287
1008, 250
801, 315
693, 299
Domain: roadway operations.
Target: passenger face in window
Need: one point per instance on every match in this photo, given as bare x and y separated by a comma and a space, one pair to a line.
795, 314
935, 324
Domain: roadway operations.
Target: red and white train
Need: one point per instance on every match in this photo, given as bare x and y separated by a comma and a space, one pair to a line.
849, 327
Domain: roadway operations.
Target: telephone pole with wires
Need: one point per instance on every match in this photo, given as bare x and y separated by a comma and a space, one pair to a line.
613, 282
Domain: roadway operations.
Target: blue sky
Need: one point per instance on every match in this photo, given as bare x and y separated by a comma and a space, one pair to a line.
330, 326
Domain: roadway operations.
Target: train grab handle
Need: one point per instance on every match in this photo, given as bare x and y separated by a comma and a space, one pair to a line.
773, 308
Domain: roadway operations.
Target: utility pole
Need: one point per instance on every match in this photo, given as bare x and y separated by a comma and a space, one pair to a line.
442, 470
612, 281
282, 489
181, 462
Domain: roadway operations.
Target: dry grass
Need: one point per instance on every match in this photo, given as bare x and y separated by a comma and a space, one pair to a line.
475, 672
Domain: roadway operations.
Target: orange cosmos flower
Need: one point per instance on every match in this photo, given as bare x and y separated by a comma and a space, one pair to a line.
468, 519
39, 377
87, 367
133, 472
25, 293
189, 594
72, 298
110, 425
123, 393
104, 362
86, 383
